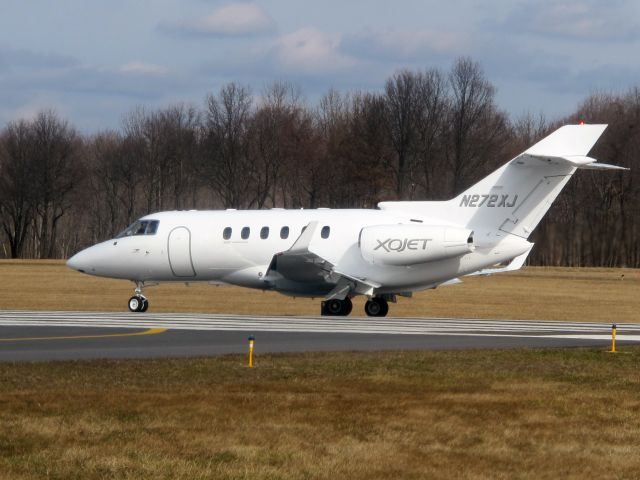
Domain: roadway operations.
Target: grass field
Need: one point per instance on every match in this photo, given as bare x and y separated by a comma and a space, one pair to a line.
517, 413
532, 293
536, 414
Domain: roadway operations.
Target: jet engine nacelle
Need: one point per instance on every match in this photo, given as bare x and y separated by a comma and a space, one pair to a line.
404, 245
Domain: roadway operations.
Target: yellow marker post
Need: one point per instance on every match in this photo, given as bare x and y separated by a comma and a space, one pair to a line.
613, 338
251, 339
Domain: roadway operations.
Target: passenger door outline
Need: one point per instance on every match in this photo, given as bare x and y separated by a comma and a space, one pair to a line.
180, 259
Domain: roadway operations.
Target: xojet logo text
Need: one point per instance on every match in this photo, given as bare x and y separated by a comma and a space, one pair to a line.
402, 244
492, 200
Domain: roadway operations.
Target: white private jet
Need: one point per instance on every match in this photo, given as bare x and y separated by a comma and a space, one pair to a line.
397, 249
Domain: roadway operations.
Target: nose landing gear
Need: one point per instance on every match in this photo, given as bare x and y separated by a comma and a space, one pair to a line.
138, 303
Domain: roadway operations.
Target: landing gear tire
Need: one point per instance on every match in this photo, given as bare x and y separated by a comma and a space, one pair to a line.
376, 307
333, 307
347, 306
337, 307
138, 303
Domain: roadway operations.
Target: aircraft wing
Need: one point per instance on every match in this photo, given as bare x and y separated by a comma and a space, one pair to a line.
301, 265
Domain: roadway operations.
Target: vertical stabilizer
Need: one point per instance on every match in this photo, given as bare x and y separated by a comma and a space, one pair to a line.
514, 198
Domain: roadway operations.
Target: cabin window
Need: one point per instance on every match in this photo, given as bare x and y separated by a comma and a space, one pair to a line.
245, 233
141, 227
264, 233
284, 233
226, 233
326, 230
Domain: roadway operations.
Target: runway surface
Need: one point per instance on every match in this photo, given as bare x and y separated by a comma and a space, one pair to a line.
40, 335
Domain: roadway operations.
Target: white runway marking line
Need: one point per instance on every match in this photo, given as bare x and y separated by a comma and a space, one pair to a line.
392, 326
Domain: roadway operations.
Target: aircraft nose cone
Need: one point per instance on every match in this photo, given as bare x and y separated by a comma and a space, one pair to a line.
79, 261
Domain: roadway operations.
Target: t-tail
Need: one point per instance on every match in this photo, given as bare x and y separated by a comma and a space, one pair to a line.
513, 199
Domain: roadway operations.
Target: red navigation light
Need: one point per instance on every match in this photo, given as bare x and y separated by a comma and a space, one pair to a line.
581, 122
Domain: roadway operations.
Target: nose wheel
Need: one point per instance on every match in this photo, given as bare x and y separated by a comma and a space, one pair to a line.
138, 303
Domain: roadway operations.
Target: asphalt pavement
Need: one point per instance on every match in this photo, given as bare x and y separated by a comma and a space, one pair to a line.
43, 335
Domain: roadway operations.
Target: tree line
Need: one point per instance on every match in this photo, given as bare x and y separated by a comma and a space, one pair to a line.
427, 135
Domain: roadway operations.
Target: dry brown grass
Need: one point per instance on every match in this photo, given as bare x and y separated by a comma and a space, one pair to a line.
551, 413
532, 293
477, 414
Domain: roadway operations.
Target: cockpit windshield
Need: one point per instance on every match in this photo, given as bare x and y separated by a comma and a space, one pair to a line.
141, 227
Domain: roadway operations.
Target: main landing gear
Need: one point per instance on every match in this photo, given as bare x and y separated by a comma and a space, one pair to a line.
138, 303
375, 307
335, 307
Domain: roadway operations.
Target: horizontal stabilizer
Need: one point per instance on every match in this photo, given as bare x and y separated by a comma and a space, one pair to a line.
602, 166
578, 161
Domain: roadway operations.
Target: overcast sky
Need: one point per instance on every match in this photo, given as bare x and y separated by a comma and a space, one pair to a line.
95, 60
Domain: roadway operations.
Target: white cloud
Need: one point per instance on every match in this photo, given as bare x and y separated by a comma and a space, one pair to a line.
311, 51
235, 19
141, 68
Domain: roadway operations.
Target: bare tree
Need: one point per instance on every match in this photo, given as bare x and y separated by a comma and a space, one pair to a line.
179, 127
403, 111
431, 123
276, 135
477, 130
57, 171
367, 153
115, 180
104, 181
327, 186
527, 130
16, 187
143, 129
224, 154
